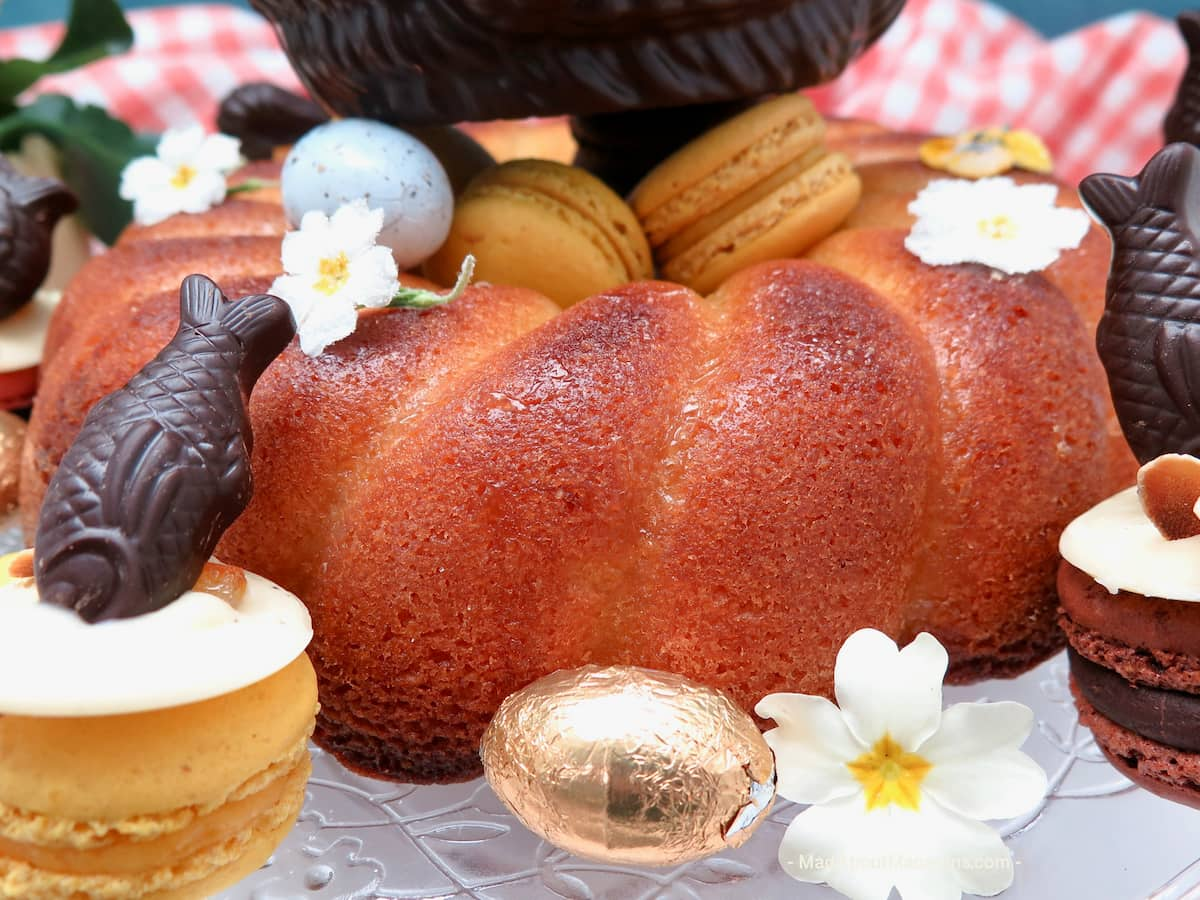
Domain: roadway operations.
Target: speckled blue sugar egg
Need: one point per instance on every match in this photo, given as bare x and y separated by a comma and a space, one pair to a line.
340, 161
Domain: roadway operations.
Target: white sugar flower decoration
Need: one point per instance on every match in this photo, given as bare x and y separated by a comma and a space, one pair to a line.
898, 786
333, 267
186, 174
994, 221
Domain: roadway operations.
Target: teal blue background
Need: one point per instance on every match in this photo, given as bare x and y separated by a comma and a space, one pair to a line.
1050, 16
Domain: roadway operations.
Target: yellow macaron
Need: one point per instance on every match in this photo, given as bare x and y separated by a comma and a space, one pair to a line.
547, 226
160, 801
177, 802
759, 186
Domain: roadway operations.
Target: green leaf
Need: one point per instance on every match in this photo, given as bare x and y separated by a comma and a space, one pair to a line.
95, 147
95, 29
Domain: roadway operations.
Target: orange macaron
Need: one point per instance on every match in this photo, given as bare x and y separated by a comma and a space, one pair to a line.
760, 186
127, 770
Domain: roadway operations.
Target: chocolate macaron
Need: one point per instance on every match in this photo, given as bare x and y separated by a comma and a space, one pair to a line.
1131, 610
1129, 582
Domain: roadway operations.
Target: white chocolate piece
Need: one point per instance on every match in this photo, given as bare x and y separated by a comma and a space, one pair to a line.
23, 334
56, 664
1117, 544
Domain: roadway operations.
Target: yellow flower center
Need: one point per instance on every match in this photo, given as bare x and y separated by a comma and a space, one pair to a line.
998, 228
890, 774
334, 272
183, 177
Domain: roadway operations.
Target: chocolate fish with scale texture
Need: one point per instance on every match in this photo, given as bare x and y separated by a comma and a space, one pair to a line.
1149, 335
161, 467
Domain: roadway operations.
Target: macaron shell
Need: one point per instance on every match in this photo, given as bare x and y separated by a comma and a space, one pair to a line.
17, 389
546, 226
1147, 640
196, 875
176, 803
525, 239
253, 856
145, 764
702, 228
1162, 770
129, 845
587, 195
784, 224
711, 170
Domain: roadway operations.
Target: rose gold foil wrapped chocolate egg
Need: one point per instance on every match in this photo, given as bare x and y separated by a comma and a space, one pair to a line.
629, 765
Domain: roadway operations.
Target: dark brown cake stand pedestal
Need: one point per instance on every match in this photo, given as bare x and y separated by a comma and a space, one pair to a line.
641, 78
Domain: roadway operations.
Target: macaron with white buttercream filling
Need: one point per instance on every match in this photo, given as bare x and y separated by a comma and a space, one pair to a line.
155, 704
200, 646
1129, 582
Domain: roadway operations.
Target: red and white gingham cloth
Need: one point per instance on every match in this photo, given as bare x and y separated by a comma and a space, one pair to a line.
1096, 96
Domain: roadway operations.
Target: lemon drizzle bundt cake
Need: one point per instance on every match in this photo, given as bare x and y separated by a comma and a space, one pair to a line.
725, 487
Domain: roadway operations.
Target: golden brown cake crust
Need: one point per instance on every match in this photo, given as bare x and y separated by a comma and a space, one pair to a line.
724, 487
892, 176
555, 491
1020, 424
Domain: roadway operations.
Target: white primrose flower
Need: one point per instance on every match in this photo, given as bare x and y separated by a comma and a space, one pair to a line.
333, 267
897, 785
994, 221
186, 174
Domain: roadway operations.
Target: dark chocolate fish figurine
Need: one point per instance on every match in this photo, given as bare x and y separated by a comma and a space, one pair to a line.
1149, 335
1183, 119
161, 467
29, 210
263, 116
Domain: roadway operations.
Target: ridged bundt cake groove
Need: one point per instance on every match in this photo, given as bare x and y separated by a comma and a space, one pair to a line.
723, 487
1015, 364
612, 571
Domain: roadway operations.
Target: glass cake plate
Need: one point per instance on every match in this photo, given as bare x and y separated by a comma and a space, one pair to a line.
1095, 835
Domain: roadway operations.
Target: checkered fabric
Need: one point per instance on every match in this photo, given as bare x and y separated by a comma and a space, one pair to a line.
1096, 96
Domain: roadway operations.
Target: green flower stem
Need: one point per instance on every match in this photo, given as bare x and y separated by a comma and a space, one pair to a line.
251, 184
419, 298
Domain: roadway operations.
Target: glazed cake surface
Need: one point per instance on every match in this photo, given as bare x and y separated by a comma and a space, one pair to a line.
725, 487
